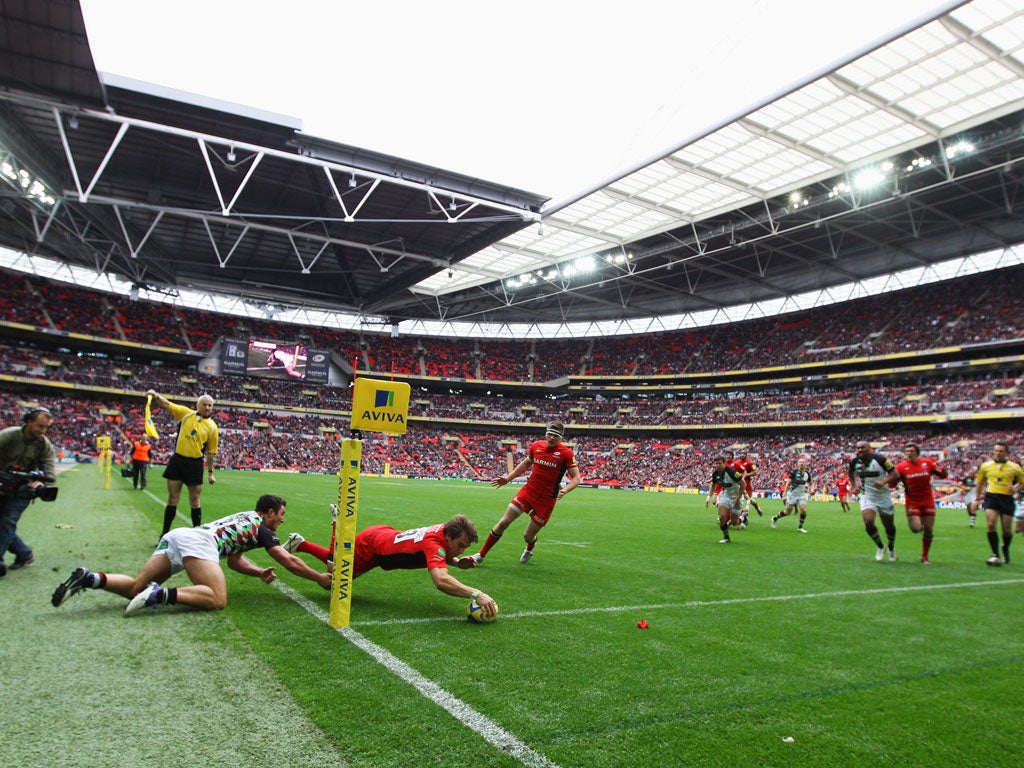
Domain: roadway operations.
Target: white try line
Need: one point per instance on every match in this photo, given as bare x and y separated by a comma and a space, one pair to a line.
706, 603
504, 741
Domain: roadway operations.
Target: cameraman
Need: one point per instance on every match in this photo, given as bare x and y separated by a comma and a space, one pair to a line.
25, 448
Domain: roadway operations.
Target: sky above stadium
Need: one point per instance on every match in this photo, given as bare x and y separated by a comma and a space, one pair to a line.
554, 98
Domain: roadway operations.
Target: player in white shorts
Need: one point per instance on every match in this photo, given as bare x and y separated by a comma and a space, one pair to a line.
798, 488
872, 476
197, 551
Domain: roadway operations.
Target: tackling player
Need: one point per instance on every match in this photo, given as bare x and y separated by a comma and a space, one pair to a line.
916, 473
197, 551
870, 474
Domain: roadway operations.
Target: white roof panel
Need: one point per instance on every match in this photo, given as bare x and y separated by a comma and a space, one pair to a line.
938, 80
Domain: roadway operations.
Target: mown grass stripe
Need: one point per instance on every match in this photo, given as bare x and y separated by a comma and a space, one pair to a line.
702, 603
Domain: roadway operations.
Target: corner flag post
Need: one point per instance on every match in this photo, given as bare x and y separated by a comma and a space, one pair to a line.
377, 406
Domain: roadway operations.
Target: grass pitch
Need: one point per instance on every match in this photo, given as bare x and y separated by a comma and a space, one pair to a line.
777, 636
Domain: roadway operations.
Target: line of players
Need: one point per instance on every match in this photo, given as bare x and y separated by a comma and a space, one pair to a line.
872, 477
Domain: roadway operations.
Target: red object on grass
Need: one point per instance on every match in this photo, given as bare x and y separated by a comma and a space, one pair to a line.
642, 624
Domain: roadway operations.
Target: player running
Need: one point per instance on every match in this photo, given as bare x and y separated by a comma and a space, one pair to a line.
728, 500
749, 470
551, 460
796, 489
969, 486
916, 474
870, 474
843, 491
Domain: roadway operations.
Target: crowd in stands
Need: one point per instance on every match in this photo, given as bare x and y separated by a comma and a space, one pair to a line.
263, 428
307, 443
951, 313
688, 408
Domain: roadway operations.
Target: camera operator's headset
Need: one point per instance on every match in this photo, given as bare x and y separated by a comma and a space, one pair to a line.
31, 415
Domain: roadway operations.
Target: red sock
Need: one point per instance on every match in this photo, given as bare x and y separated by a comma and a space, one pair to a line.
926, 544
320, 553
491, 541
531, 545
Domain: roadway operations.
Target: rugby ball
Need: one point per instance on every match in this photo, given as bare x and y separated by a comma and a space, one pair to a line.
476, 614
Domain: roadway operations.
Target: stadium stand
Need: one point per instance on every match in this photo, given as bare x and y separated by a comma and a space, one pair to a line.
627, 433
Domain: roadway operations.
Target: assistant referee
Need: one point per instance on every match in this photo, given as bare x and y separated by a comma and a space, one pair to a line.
197, 442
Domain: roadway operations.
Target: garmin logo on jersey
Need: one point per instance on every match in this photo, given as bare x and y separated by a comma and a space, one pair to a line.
552, 464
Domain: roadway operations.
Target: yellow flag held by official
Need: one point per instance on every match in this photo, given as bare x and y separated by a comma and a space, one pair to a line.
150, 427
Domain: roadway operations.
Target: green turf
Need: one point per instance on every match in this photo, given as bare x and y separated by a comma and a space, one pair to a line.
777, 635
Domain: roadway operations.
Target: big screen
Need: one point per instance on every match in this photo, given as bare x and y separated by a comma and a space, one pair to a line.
276, 360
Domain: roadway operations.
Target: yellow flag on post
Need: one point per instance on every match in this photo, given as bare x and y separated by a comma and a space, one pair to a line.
150, 426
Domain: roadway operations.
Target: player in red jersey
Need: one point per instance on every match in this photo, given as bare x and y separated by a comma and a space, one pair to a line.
551, 460
434, 548
843, 491
916, 474
749, 469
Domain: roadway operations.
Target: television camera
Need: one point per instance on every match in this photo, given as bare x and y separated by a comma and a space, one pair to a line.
15, 483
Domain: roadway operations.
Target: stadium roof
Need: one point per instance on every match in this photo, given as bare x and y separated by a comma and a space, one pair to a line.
906, 156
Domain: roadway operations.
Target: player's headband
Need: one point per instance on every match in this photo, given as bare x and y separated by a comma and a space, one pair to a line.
553, 431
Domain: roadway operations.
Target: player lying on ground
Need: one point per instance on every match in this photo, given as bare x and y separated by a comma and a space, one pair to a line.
435, 548
197, 551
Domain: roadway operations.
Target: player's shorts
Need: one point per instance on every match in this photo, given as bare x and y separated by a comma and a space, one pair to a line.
843, 495
187, 542
920, 508
188, 471
971, 496
730, 498
794, 498
881, 505
539, 510
1018, 513
1000, 502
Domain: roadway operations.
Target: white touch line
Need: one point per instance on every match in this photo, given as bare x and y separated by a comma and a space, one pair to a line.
706, 603
465, 714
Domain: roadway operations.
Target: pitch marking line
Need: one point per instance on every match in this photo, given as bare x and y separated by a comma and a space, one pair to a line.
504, 741
706, 603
